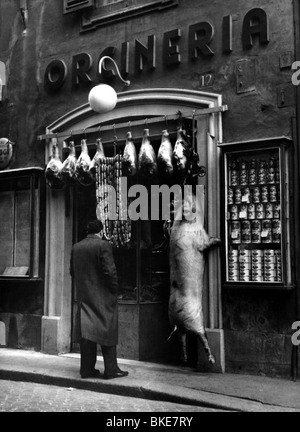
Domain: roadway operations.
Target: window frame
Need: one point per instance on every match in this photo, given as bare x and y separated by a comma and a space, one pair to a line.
107, 14
36, 185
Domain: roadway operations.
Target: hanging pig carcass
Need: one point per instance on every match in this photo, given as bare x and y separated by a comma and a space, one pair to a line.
129, 157
165, 156
188, 241
53, 170
147, 162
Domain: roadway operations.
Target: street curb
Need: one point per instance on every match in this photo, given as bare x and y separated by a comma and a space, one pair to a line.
143, 390
129, 390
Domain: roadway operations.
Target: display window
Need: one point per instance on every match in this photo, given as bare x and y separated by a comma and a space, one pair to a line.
257, 228
20, 210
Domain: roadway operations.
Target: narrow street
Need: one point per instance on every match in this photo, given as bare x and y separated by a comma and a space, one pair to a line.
31, 397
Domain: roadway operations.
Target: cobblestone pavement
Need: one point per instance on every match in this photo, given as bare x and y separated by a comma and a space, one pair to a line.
31, 397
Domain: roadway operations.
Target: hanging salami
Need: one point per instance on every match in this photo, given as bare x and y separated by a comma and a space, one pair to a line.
111, 209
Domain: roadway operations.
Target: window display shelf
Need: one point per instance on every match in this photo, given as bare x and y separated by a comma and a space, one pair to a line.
256, 215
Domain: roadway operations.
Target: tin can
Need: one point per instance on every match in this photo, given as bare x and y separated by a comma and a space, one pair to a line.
236, 237
257, 252
245, 278
256, 237
243, 177
257, 267
234, 178
257, 278
230, 196
277, 175
234, 212
246, 195
252, 177
243, 211
270, 276
273, 194
269, 253
264, 194
233, 276
245, 253
238, 196
236, 225
266, 236
260, 211
246, 237
269, 267
245, 260
276, 231
271, 176
234, 253
246, 225
277, 211
251, 211
266, 224
256, 195
262, 173
245, 266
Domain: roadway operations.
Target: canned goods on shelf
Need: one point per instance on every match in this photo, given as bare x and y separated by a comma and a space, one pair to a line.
256, 237
257, 279
256, 225
266, 237
246, 237
246, 225
245, 253
257, 252
252, 176
245, 279
243, 214
269, 253
269, 267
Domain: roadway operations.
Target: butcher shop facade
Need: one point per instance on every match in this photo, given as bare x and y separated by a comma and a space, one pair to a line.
214, 78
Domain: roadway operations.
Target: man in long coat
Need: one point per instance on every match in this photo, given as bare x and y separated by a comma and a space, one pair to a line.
95, 276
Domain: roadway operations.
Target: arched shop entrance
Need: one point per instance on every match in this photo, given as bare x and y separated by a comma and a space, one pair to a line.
143, 327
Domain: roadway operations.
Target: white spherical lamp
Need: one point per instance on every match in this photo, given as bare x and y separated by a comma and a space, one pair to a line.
102, 98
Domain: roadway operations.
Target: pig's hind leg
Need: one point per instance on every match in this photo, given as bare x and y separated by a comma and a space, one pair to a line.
203, 339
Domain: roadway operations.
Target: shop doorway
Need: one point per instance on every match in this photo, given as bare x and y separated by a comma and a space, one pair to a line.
135, 309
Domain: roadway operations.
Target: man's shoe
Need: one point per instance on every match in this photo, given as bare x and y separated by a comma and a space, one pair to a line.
118, 374
93, 374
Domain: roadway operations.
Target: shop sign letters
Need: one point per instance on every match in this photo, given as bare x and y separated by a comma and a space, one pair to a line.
200, 37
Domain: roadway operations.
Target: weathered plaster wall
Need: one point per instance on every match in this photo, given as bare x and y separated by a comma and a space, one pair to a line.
28, 107
250, 318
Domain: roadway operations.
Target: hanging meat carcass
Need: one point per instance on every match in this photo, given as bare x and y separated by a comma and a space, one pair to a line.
69, 165
53, 170
82, 171
188, 241
186, 159
165, 156
147, 162
129, 157
98, 156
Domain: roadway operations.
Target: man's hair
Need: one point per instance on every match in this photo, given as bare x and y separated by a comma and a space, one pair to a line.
94, 227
